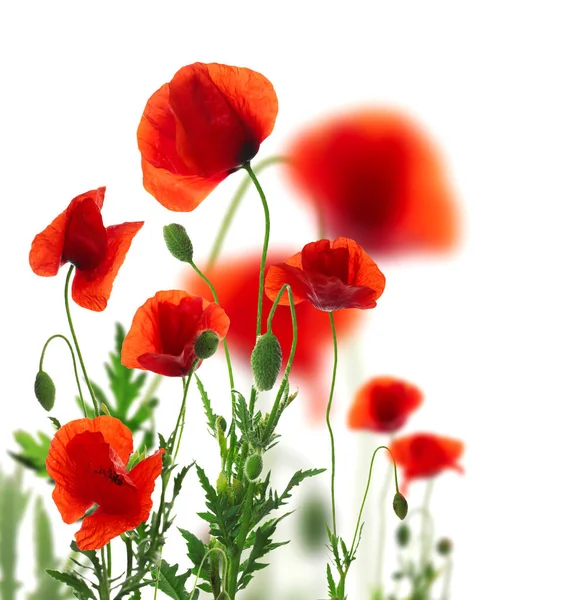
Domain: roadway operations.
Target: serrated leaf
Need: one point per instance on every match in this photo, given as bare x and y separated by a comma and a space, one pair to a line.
196, 550
33, 452
74, 582
209, 414
170, 582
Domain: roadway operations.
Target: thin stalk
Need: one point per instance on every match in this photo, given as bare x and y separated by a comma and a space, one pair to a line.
104, 589
59, 335
76, 342
382, 526
328, 422
425, 539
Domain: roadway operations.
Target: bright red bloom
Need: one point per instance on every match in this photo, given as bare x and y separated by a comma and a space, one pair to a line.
426, 454
200, 127
384, 404
164, 330
236, 283
375, 176
331, 275
87, 460
78, 236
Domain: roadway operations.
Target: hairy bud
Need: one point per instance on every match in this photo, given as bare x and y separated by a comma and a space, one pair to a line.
44, 389
206, 344
400, 506
253, 466
178, 242
266, 361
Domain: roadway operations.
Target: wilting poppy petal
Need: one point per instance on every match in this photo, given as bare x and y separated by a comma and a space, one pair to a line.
384, 404
376, 177
164, 330
200, 127
87, 460
78, 236
236, 284
426, 455
330, 275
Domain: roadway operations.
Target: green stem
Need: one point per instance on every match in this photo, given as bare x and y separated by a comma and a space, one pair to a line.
76, 342
181, 416
224, 560
328, 422
58, 335
129, 557
109, 560
231, 211
104, 589
382, 526
447, 579
425, 539
216, 298
240, 543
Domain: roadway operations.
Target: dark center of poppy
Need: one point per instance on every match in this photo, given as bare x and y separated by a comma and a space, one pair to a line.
178, 323
386, 408
320, 258
85, 242
110, 474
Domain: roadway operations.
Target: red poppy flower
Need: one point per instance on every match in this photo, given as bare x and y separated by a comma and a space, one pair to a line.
87, 460
197, 129
331, 275
375, 176
164, 331
426, 454
78, 236
384, 404
236, 283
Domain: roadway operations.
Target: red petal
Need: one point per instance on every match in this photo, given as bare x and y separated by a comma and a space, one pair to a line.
85, 236
92, 289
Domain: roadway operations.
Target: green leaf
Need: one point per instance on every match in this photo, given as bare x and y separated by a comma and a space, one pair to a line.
32, 452
73, 581
209, 414
196, 550
169, 582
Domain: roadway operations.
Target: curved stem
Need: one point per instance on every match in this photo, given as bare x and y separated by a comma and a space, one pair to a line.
59, 335
224, 557
76, 342
328, 422
216, 298
231, 211
382, 526
181, 417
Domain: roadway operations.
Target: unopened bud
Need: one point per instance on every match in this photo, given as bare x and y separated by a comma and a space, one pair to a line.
222, 484
206, 344
44, 389
444, 546
178, 242
238, 490
403, 535
221, 424
400, 506
253, 466
266, 361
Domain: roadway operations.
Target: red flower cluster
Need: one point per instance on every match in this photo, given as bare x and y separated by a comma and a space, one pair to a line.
164, 331
78, 236
200, 127
87, 460
374, 176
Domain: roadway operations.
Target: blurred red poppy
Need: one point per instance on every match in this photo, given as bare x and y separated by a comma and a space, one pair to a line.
87, 460
330, 275
426, 454
164, 331
384, 404
78, 236
375, 176
236, 283
200, 127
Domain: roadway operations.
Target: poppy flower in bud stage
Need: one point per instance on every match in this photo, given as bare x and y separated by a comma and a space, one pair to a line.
426, 455
87, 460
165, 330
376, 177
330, 275
236, 284
384, 404
78, 236
203, 125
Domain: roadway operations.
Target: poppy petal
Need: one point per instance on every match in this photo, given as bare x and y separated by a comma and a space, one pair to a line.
92, 288
101, 527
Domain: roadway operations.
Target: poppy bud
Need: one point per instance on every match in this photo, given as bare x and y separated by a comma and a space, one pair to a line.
400, 506
222, 484
444, 546
266, 360
403, 535
206, 344
44, 389
238, 490
253, 466
221, 424
178, 242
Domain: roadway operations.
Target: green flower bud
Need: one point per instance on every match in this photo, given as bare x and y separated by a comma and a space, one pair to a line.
206, 344
253, 466
400, 506
444, 546
266, 360
221, 423
238, 490
178, 242
403, 535
44, 389
222, 484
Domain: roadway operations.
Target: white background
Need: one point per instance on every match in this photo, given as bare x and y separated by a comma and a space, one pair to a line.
483, 332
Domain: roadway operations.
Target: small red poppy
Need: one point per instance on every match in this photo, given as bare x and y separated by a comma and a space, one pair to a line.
164, 331
204, 124
376, 177
87, 460
330, 275
426, 454
78, 236
384, 404
236, 284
